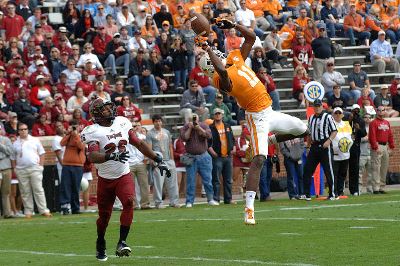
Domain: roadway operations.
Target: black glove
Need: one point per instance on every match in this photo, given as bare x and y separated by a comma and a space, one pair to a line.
118, 156
163, 167
224, 23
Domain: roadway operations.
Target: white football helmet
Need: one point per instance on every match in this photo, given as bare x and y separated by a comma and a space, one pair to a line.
206, 65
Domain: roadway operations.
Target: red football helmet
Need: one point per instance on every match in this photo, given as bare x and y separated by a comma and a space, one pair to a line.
96, 110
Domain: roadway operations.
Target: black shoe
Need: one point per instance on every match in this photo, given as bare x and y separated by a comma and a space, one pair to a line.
382, 192
101, 250
122, 249
65, 211
376, 192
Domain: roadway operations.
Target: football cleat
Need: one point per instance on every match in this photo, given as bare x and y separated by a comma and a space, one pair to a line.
101, 250
123, 249
249, 216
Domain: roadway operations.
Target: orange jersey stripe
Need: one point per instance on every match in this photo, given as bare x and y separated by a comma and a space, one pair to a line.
254, 138
248, 90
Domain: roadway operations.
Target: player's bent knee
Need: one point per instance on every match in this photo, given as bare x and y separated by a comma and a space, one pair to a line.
129, 202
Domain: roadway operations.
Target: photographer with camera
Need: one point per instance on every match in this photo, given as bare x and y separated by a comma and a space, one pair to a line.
72, 170
196, 159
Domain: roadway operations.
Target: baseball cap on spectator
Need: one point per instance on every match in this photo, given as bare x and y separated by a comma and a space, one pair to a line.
16, 77
39, 77
142, 8
99, 82
219, 95
64, 53
112, 2
338, 109
38, 26
138, 32
88, 61
384, 87
116, 35
355, 106
165, 22
12, 114
39, 62
218, 110
125, 6
381, 32
140, 51
317, 102
62, 29
43, 17
321, 26
2, 68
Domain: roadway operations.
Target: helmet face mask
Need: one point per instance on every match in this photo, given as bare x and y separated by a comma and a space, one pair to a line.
99, 109
206, 65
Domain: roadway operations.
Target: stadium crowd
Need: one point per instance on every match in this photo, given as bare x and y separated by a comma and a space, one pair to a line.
120, 50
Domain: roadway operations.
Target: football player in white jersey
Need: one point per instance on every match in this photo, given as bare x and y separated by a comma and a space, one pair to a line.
107, 140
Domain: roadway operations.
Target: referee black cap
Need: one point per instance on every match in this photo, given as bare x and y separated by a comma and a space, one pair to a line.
317, 102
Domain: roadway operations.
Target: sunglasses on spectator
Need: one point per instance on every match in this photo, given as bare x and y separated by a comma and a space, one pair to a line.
338, 113
330, 64
381, 110
22, 129
119, 84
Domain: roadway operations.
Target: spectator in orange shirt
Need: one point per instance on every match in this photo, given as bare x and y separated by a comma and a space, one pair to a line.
195, 5
179, 17
373, 24
273, 12
311, 32
150, 27
257, 7
287, 33
302, 20
391, 24
354, 27
232, 41
361, 7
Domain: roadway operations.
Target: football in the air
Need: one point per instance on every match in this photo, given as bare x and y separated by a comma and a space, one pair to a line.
200, 24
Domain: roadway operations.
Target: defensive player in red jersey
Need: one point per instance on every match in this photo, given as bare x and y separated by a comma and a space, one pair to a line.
107, 139
237, 79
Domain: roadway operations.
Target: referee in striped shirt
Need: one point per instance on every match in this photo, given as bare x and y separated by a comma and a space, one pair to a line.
322, 131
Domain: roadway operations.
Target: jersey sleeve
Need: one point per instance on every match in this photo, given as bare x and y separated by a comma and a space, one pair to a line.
88, 136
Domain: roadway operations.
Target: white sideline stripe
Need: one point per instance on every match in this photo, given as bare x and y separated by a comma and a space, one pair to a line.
218, 240
290, 234
361, 227
320, 207
159, 258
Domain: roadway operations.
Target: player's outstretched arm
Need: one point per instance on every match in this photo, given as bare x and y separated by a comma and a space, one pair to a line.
146, 150
249, 39
96, 156
224, 81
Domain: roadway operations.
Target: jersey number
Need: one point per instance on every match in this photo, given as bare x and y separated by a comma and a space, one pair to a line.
111, 147
249, 75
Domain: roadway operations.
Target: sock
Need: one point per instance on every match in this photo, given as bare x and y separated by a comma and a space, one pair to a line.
272, 139
250, 195
123, 233
100, 237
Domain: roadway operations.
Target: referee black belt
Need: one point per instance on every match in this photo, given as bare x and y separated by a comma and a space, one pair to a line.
382, 143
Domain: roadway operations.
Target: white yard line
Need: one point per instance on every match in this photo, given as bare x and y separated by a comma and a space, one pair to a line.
361, 227
290, 234
218, 240
239, 261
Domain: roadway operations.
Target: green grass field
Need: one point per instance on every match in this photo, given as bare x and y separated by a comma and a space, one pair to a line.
355, 231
